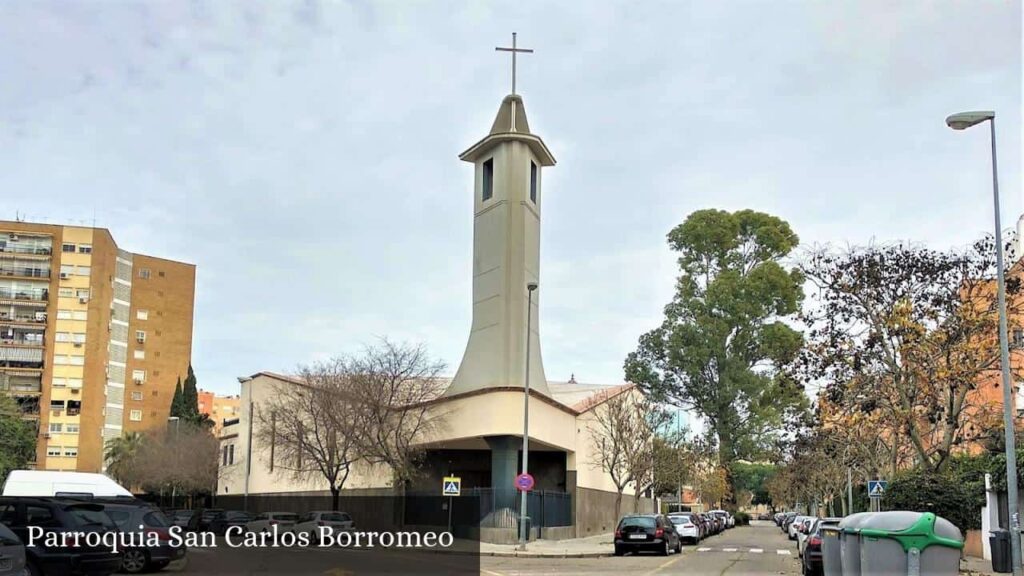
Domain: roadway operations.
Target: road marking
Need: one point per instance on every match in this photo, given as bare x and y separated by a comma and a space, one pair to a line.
783, 552
490, 573
665, 565
757, 550
703, 549
729, 549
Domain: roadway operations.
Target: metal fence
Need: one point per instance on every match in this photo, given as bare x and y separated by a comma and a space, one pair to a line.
499, 507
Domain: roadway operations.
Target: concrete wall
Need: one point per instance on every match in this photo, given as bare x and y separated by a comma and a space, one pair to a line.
595, 511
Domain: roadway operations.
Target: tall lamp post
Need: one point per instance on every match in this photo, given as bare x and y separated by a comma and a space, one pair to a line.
530, 287
962, 121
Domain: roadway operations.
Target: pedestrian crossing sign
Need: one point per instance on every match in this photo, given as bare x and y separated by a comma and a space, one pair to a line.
876, 488
451, 486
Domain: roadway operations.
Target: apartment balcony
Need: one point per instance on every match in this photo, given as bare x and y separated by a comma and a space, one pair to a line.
21, 270
20, 341
10, 252
21, 385
29, 406
27, 297
15, 316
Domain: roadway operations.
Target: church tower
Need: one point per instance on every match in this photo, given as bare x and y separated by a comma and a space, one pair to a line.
507, 197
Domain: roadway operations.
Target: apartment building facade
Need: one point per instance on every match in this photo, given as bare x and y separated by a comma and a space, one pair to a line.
92, 337
218, 408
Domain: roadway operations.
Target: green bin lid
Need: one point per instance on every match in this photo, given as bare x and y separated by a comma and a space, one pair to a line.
912, 530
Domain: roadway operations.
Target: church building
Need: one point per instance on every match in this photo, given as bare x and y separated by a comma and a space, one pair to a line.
484, 401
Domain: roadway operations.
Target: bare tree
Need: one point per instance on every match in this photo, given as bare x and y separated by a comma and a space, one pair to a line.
308, 430
621, 439
392, 386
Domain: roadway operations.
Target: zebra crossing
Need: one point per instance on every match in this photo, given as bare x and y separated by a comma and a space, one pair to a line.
779, 551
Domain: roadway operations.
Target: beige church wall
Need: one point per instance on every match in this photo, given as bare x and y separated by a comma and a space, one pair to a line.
595, 511
501, 413
589, 474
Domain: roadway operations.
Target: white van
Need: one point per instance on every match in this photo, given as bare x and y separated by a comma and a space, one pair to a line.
47, 483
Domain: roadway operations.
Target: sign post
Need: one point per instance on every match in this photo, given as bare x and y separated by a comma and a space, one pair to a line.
876, 489
451, 486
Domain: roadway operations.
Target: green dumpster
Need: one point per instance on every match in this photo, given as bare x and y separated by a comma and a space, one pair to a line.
831, 552
849, 542
911, 543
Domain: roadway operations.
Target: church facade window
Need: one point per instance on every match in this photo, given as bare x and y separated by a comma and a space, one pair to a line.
533, 182
488, 179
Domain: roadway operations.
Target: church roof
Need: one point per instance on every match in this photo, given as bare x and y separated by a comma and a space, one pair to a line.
510, 124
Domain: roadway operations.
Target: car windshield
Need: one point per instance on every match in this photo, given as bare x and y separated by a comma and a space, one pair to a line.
680, 519
92, 516
155, 519
236, 516
286, 517
8, 538
642, 521
333, 517
183, 514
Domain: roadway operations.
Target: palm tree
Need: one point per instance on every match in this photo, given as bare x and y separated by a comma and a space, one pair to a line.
120, 455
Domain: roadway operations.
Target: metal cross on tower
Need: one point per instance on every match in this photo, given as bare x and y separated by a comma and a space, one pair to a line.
514, 50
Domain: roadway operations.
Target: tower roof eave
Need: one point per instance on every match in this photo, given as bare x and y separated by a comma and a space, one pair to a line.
537, 146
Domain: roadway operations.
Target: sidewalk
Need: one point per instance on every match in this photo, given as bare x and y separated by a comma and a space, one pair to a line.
976, 566
590, 547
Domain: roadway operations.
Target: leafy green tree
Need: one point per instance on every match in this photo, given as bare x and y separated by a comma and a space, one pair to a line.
121, 456
177, 401
190, 399
941, 492
17, 438
724, 338
753, 478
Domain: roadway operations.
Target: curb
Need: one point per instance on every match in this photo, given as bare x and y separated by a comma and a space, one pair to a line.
526, 554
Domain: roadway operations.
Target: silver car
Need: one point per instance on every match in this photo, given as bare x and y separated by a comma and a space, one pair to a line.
313, 522
12, 554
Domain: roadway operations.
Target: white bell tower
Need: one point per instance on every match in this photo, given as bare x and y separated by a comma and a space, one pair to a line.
507, 193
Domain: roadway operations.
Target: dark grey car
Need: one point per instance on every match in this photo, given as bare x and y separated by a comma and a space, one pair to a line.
12, 553
128, 518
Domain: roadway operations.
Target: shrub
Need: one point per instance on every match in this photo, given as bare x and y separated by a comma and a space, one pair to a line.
939, 492
742, 518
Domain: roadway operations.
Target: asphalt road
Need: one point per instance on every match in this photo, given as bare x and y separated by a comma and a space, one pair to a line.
759, 549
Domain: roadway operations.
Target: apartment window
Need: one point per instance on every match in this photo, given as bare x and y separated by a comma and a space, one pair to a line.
138, 376
60, 360
71, 428
66, 292
140, 354
54, 451
83, 270
63, 337
142, 314
83, 294
224, 456
66, 270
67, 248
85, 248
137, 396
78, 314
74, 383
56, 427
59, 382
78, 338
231, 454
488, 179
140, 336
57, 405
533, 182
71, 452
135, 415
144, 273
160, 273
1018, 338
76, 360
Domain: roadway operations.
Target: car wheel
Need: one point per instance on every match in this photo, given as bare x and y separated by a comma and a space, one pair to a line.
664, 548
314, 538
133, 561
679, 546
158, 566
33, 570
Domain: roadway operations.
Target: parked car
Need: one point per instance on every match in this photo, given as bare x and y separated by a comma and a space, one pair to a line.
264, 522
764, 516
646, 532
312, 522
812, 563
794, 525
12, 553
40, 483
58, 515
803, 529
687, 526
181, 518
727, 520
787, 520
225, 520
128, 517
207, 517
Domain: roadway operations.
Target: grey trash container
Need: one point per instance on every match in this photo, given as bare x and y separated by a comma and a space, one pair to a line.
849, 542
831, 551
1002, 559
911, 543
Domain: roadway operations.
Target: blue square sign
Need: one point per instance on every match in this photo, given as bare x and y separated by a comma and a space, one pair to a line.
876, 488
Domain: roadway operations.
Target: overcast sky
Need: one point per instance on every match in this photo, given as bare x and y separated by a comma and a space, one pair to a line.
304, 155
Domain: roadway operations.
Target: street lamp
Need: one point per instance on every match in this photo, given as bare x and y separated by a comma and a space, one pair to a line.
962, 121
530, 287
